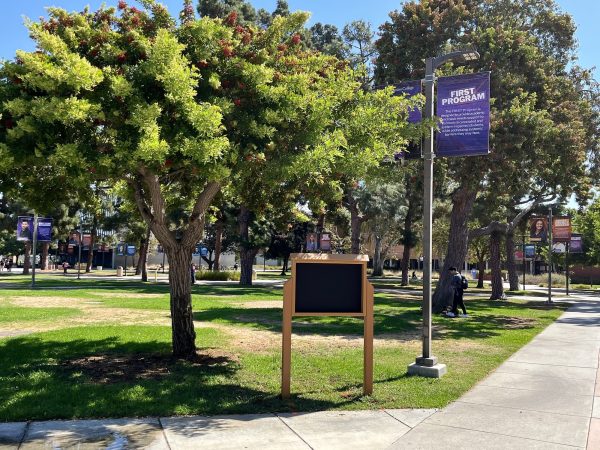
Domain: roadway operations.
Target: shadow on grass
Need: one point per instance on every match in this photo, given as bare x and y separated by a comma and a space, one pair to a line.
391, 317
139, 287
39, 380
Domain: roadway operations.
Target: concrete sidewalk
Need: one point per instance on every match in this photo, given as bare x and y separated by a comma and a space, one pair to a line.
546, 396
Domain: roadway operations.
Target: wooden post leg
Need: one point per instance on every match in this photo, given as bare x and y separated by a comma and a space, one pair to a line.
368, 342
286, 353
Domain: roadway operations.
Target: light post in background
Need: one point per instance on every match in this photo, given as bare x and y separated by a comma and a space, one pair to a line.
34, 245
550, 249
80, 245
427, 365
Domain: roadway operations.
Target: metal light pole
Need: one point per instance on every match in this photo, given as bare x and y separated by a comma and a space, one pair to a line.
523, 260
34, 244
567, 266
549, 255
80, 245
427, 365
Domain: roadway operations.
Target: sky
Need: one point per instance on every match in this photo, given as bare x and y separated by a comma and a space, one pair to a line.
13, 34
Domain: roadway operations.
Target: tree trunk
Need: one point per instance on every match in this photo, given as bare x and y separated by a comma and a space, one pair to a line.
404, 265
140, 261
286, 259
513, 275
144, 256
26, 261
497, 286
209, 261
377, 260
481, 275
183, 333
44, 256
355, 223
407, 241
247, 253
90, 260
247, 256
462, 204
218, 243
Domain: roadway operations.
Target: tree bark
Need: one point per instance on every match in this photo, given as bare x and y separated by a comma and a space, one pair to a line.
218, 243
377, 260
44, 256
481, 274
151, 204
355, 224
511, 266
90, 259
26, 260
407, 241
286, 259
182, 319
462, 204
247, 253
144, 256
497, 285
209, 261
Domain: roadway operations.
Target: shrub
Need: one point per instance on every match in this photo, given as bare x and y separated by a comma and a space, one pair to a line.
558, 280
218, 276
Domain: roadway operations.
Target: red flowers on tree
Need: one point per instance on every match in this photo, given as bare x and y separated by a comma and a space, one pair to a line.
122, 4
296, 39
231, 19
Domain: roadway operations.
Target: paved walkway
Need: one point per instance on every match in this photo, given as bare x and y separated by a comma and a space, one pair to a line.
546, 396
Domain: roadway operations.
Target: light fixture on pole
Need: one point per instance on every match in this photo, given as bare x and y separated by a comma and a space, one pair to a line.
427, 365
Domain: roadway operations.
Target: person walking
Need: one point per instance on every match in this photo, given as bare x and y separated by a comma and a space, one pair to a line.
458, 285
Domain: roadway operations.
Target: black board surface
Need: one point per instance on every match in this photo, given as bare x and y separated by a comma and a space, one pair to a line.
328, 288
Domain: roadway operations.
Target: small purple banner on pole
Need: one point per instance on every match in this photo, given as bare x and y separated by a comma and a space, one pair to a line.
44, 229
576, 244
410, 89
24, 228
463, 105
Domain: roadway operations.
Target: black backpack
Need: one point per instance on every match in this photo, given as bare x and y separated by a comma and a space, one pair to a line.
464, 283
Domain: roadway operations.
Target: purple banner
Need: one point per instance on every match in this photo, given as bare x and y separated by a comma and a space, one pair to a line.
44, 229
410, 89
24, 228
463, 105
576, 244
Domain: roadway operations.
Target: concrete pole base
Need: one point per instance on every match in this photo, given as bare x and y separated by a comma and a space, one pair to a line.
436, 371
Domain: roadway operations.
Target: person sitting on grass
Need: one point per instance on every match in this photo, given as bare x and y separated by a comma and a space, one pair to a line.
458, 288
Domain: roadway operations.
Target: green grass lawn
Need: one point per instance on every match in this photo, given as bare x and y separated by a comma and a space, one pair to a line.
116, 369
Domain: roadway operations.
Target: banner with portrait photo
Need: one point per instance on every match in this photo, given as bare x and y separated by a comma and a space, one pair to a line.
561, 229
463, 105
538, 229
74, 238
312, 242
24, 228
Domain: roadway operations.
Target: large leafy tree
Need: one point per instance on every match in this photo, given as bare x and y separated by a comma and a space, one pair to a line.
540, 130
173, 111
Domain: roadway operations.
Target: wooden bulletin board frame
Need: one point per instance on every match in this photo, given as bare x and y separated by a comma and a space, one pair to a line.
289, 312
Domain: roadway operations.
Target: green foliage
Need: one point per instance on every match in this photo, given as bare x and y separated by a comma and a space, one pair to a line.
587, 222
225, 275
